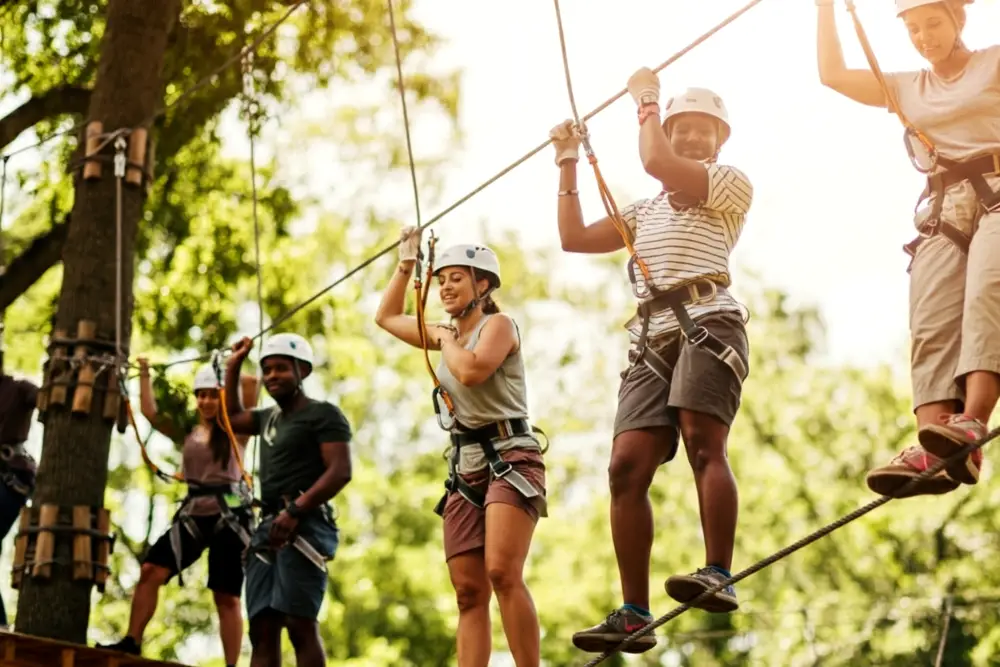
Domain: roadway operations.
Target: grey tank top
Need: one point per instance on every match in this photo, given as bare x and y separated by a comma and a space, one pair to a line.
503, 395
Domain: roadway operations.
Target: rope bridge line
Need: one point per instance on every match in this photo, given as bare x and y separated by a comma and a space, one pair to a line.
796, 546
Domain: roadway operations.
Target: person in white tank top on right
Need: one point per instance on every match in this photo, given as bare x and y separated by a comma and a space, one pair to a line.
955, 273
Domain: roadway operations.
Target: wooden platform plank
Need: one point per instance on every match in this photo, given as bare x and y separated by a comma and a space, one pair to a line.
19, 650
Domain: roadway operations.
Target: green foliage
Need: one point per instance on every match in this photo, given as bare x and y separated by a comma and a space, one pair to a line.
869, 594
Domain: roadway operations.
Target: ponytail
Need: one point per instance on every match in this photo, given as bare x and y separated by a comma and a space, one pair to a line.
490, 306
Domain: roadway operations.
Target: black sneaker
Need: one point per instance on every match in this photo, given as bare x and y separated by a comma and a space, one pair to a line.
686, 587
616, 627
126, 645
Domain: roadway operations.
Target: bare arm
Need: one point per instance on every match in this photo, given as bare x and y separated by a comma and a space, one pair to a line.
597, 238
337, 459
471, 367
240, 419
676, 173
147, 405
390, 316
248, 385
859, 85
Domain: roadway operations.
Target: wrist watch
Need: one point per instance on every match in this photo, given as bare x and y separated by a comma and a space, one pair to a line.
294, 511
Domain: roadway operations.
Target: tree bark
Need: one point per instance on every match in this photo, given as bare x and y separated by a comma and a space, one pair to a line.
74, 464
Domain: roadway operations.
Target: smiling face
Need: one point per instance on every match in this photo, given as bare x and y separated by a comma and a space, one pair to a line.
455, 287
693, 135
208, 404
933, 31
279, 376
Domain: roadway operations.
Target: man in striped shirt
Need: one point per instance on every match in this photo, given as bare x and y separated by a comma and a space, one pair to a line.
688, 363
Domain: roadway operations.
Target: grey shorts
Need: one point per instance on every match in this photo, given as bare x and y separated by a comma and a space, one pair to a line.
291, 584
700, 382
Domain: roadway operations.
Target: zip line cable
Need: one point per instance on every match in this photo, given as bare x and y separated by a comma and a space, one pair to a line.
472, 193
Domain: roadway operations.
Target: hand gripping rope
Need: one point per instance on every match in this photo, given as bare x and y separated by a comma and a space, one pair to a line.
805, 541
910, 131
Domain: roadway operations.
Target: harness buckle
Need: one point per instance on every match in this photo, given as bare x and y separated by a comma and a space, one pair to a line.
700, 336
501, 468
695, 293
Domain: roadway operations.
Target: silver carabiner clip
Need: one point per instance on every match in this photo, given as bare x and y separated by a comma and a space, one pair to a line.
926, 161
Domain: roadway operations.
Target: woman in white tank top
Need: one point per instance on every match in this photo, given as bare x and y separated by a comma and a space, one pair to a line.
955, 273
482, 372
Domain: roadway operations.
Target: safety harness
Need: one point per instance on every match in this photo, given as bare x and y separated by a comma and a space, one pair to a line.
235, 500
444, 409
974, 171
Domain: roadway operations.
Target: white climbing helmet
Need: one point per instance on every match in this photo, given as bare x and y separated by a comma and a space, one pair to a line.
206, 378
700, 100
288, 345
903, 6
477, 257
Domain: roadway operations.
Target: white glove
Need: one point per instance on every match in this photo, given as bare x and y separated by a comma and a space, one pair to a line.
566, 140
409, 244
644, 86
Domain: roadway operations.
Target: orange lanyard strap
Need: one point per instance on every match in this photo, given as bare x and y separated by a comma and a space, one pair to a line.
610, 207
226, 425
890, 99
165, 476
422, 290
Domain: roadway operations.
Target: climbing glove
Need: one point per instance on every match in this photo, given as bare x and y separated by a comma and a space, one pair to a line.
409, 244
644, 86
566, 140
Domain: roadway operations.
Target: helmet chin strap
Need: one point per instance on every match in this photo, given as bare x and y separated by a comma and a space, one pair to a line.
469, 307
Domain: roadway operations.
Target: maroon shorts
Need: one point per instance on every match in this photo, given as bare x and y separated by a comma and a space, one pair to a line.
465, 524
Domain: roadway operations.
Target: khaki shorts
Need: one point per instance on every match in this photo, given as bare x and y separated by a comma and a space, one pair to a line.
955, 303
465, 524
701, 382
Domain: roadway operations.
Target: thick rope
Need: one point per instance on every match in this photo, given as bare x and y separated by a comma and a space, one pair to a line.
469, 195
944, 632
792, 548
252, 110
890, 99
606, 197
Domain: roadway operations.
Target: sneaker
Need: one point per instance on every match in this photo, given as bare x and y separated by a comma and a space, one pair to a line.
126, 645
889, 479
949, 436
686, 587
616, 627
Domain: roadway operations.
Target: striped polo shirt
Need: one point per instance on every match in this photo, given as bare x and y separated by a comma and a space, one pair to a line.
681, 245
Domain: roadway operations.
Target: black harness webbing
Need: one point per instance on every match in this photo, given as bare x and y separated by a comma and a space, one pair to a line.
975, 171
229, 518
695, 334
499, 469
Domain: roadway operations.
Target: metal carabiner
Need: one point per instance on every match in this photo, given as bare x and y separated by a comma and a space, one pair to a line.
635, 281
909, 136
442, 409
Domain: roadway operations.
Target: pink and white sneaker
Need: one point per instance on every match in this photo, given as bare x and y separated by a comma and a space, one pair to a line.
950, 435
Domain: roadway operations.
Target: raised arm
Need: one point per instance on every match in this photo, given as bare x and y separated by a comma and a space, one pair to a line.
596, 238
390, 315
248, 388
858, 84
241, 419
147, 405
496, 342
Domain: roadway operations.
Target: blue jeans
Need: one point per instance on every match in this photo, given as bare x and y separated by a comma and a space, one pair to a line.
11, 503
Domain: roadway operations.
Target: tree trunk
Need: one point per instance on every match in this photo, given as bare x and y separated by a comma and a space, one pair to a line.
74, 465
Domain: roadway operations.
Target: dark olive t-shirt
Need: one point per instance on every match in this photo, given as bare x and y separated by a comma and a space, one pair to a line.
290, 458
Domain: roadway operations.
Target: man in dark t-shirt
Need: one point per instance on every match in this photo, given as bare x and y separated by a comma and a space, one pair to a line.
304, 462
17, 467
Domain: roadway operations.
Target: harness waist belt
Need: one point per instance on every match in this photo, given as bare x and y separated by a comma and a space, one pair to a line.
985, 165
499, 468
695, 334
502, 429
